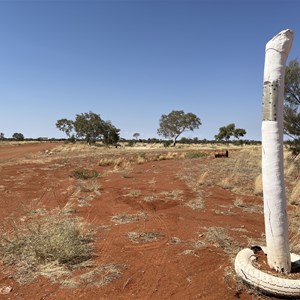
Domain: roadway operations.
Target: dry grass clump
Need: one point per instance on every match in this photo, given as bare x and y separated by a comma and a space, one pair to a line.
141, 159
90, 186
133, 193
239, 203
82, 173
125, 218
98, 277
172, 195
235, 173
197, 203
295, 194
218, 237
102, 275
151, 198
51, 246
195, 154
106, 162
258, 189
144, 237
294, 235
291, 165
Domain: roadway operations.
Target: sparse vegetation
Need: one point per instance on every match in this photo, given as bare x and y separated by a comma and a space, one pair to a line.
125, 218
51, 246
219, 237
194, 154
144, 211
197, 203
144, 237
82, 173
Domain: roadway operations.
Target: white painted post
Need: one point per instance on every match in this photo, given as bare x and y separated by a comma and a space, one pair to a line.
275, 210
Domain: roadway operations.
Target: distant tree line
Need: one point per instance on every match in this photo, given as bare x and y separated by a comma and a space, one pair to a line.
89, 127
16, 136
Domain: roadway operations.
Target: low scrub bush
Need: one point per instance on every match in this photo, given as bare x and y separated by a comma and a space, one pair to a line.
84, 174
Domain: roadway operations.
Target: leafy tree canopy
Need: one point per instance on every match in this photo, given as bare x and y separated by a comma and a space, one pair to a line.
136, 135
18, 136
177, 122
65, 125
90, 127
226, 132
292, 105
111, 134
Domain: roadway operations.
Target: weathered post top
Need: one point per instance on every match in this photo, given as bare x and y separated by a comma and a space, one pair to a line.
274, 63
281, 42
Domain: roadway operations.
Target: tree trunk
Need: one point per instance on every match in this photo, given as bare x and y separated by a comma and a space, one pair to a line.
275, 210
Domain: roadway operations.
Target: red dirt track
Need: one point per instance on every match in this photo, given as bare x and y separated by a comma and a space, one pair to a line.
169, 267
10, 152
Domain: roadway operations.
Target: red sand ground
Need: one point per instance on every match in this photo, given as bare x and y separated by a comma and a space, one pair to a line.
155, 270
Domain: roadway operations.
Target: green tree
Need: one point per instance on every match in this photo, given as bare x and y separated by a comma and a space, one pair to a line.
292, 105
89, 126
18, 136
110, 134
65, 125
136, 135
175, 123
239, 132
226, 132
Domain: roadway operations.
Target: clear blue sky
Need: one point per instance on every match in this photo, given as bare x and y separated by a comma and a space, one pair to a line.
132, 61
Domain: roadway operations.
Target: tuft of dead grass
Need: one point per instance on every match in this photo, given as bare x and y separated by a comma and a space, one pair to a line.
258, 189
219, 238
195, 154
133, 193
90, 187
235, 173
125, 218
240, 203
51, 246
197, 203
172, 195
82, 173
295, 194
98, 277
144, 237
